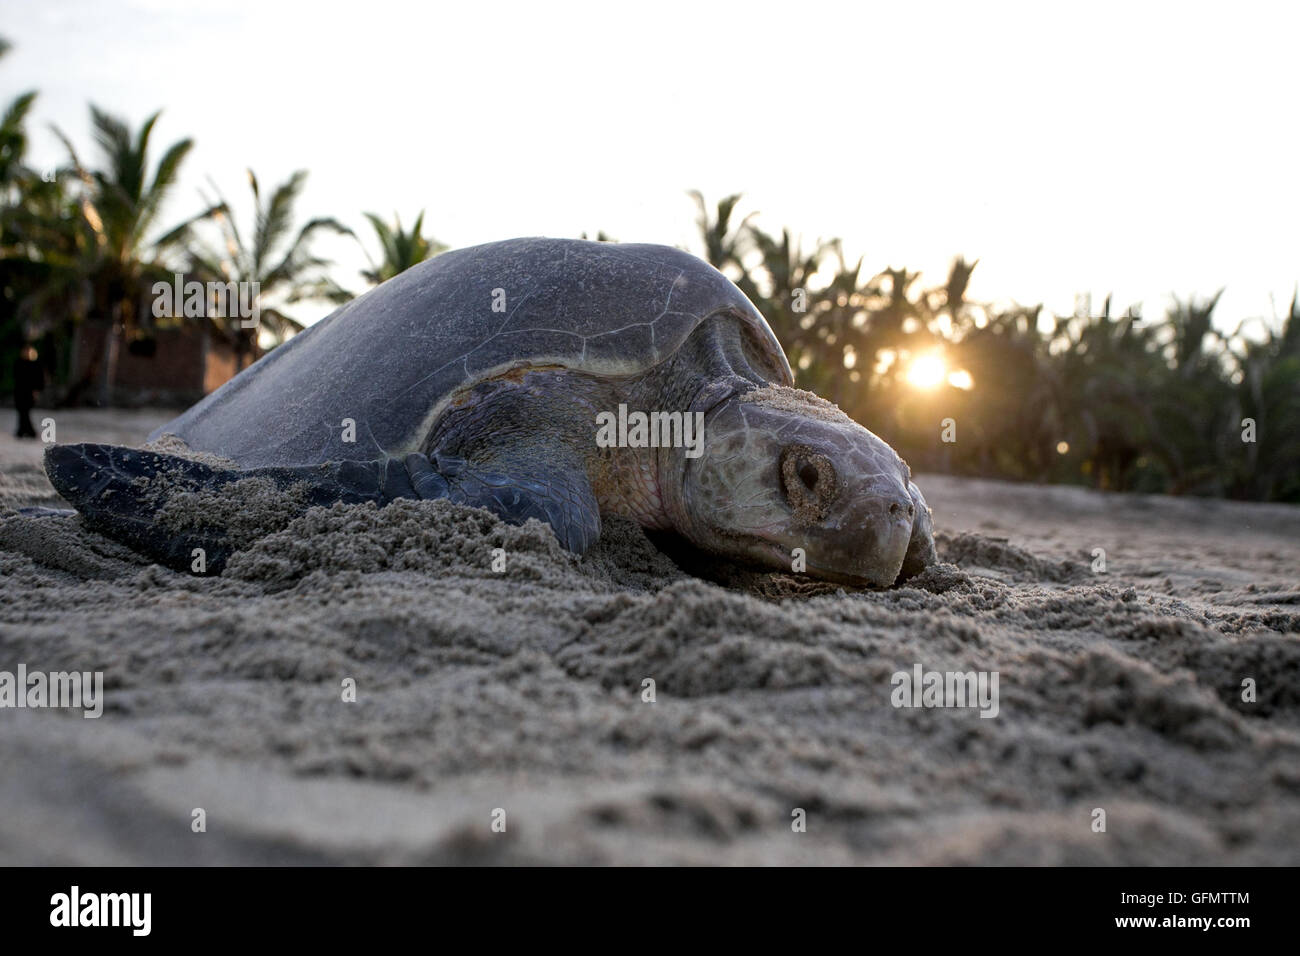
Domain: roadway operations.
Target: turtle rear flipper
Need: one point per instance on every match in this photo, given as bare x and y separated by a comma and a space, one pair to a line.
122, 492
110, 487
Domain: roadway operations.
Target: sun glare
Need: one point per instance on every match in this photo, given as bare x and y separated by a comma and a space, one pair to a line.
927, 371
961, 379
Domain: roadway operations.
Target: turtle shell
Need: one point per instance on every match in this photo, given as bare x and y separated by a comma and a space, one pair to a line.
393, 358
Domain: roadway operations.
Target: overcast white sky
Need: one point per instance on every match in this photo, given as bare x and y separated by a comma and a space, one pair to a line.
1137, 148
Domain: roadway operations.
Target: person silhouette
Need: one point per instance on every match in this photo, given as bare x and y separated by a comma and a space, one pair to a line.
29, 378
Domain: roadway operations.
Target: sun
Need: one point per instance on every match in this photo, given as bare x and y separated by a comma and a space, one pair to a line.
927, 371
961, 379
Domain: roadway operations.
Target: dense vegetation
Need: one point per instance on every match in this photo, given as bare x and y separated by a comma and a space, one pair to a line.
1119, 401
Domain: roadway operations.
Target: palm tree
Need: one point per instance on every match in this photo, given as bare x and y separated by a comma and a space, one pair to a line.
120, 203
399, 250
13, 134
1269, 393
1012, 414
951, 301
723, 246
40, 250
814, 349
769, 271
282, 265
1194, 400
43, 260
840, 315
1107, 370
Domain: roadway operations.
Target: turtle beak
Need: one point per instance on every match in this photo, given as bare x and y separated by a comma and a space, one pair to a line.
856, 515
921, 552
886, 529
865, 533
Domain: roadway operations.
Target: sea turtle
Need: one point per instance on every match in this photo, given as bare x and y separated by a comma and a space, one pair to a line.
489, 376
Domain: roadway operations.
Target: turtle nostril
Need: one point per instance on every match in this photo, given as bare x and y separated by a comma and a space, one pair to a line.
900, 507
808, 475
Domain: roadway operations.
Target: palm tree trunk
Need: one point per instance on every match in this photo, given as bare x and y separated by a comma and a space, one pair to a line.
112, 349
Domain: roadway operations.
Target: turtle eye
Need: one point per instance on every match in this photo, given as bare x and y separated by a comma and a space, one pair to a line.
808, 480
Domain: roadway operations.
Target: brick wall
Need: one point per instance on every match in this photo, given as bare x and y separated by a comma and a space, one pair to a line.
175, 367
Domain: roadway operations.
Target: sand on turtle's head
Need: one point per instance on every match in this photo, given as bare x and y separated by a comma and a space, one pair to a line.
797, 402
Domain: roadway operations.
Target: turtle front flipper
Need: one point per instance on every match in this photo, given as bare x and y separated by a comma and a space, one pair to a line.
517, 484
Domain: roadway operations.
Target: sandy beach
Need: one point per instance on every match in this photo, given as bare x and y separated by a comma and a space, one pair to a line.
523, 691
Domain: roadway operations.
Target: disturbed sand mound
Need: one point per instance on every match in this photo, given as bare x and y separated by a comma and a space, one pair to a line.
524, 689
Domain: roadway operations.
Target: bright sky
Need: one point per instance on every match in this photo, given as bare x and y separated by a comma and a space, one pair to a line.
1137, 148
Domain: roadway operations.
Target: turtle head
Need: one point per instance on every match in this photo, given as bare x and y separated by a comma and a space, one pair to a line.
782, 469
